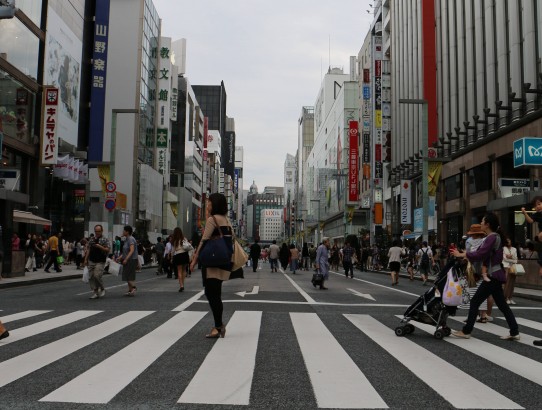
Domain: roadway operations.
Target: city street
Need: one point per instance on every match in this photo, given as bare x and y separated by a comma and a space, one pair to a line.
288, 345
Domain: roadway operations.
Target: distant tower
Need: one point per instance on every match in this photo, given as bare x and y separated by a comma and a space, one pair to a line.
253, 188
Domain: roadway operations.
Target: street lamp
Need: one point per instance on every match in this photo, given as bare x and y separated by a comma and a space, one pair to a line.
425, 164
318, 222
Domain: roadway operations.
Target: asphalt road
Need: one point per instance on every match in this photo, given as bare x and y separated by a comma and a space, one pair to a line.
288, 345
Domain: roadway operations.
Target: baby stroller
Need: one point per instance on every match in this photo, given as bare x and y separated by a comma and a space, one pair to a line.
429, 309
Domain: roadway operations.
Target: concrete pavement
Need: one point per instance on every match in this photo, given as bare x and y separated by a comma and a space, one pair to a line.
70, 272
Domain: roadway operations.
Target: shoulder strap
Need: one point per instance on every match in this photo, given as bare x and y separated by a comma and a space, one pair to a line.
217, 226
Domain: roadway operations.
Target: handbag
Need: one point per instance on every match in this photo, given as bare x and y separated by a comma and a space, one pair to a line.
60, 260
453, 292
520, 269
240, 257
187, 246
512, 269
216, 252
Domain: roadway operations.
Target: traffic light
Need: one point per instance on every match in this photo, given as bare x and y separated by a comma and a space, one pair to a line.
387, 147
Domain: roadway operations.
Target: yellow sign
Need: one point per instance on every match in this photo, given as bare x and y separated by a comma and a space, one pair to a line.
378, 118
435, 169
104, 174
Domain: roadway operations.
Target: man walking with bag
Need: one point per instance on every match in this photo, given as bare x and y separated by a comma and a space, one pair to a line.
255, 252
98, 249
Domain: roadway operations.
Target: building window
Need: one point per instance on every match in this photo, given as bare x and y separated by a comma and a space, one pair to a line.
480, 178
452, 187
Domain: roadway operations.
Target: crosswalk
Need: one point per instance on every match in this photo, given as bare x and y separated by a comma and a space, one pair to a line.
331, 351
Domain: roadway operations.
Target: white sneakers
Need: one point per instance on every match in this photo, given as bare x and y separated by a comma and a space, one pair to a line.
510, 337
98, 294
101, 293
94, 296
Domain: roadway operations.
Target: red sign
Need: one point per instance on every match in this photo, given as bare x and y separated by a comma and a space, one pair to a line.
378, 68
49, 139
353, 162
366, 75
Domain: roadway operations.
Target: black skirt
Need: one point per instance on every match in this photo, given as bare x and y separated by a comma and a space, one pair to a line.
181, 259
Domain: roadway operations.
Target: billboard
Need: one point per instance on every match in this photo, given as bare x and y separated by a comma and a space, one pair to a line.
353, 158
63, 71
228, 153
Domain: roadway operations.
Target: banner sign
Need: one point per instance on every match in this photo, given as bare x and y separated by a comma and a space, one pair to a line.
98, 76
514, 186
353, 168
49, 116
405, 201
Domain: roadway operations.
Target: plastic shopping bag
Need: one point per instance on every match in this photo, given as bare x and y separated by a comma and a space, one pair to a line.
86, 276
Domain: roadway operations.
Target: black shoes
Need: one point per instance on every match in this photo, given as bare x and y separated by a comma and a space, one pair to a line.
537, 342
4, 335
181, 289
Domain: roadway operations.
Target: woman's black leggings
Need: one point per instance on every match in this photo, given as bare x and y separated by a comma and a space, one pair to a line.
213, 292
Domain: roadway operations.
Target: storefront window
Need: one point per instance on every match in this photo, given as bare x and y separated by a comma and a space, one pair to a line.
17, 105
22, 48
13, 171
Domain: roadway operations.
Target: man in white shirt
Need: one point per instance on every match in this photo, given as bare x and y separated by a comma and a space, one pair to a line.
425, 261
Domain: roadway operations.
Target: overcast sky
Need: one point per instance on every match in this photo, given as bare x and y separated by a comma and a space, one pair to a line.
271, 56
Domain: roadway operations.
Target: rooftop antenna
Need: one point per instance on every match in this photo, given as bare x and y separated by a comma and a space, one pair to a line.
329, 50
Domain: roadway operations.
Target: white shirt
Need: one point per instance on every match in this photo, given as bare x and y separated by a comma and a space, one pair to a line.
169, 248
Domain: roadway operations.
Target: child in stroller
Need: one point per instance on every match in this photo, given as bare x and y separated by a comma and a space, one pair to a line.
429, 309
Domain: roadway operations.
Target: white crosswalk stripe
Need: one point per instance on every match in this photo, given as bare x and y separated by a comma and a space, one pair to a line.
22, 315
20, 366
112, 375
229, 365
326, 360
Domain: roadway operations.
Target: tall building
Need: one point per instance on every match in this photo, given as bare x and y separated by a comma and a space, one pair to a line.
271, 225
270, 198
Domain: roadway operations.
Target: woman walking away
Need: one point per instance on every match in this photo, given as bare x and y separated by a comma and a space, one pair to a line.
3, 332
490, 253
394, 257
181, 258
217, 208
510, 258
129, 260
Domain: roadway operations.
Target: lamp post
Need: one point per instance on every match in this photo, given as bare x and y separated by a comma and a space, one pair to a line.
318, 222
425, 164
112, 155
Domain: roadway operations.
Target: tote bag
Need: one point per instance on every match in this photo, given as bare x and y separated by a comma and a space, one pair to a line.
453, 292
240, 257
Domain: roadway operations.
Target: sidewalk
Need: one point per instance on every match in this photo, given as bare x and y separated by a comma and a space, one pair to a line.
70, 272
31, 278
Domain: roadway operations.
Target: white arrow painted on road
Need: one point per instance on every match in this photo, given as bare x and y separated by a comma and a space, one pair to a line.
363, 295
255, 290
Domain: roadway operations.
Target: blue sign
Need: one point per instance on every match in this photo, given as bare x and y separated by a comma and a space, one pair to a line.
528, 152
366, 92
98, 77
418, 220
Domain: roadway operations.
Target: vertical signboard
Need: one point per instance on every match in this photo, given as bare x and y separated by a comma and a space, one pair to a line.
228, 152
406, 193
353, 155
378, 170
49, 116
163, 98
98, 76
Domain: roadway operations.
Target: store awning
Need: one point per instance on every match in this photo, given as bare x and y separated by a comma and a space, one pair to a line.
414, 235
29, 218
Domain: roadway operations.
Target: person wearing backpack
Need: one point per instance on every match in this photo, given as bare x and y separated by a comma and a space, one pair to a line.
425, 259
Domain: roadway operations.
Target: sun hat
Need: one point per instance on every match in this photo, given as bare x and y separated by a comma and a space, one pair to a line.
476, 229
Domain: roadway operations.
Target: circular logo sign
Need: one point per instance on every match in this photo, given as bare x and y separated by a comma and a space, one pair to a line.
110, 186
110, 204
431, 153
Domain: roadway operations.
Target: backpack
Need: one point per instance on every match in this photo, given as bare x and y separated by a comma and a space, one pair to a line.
424, 261
312, 253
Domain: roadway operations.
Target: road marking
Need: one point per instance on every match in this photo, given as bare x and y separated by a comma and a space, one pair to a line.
115, 286
301, 291
363, 295
336, 380
229, 366
378, 284
188, 302
513, 362
23, 315
286, 302
19, 366
255, 290
500, 331
46, 325
527, 323
433, 370
114, 374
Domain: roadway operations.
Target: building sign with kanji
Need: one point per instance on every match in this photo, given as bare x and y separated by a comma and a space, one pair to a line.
353, 157
49, 116
164, 75
98, 81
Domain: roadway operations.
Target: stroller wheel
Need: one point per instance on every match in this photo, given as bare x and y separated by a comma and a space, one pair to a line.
447, 331
409, 328
439, 334
400, 331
